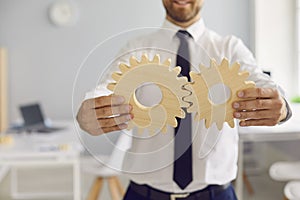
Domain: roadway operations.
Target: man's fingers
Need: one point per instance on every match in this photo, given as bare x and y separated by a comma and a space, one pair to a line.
115, 128
110, 122
259, 122
258, 93
256, 104
100, 131
104, 114
103, 101
108, 101
107, 111
258, 114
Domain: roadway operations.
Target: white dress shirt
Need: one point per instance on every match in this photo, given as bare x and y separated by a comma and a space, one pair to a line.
149, 160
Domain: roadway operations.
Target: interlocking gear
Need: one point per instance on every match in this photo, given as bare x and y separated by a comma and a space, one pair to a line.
157, 117
208, 77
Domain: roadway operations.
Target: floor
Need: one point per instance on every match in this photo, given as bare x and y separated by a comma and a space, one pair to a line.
50, 180
264, 187
53, 181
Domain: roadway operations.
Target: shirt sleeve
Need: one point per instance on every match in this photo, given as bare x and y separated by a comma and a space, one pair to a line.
240, 53
121, 57
125, 139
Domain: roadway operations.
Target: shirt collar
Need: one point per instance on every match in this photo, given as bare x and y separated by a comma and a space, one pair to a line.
196, 29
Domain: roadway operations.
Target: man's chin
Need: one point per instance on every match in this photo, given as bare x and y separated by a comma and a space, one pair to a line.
181, 19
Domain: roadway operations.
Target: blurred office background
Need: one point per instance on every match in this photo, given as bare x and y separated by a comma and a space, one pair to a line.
43, 59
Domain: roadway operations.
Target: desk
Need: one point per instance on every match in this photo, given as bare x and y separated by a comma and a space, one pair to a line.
40, 149
286, 132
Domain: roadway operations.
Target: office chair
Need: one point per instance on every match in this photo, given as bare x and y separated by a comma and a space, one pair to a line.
105, 173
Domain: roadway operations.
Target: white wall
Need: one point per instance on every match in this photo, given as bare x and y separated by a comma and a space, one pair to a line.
276, 50
276, 41
43, 59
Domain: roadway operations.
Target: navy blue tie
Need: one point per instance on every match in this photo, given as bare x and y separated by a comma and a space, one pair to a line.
183, 171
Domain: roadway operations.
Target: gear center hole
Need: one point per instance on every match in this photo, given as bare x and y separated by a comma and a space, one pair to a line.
148, 94
219, 93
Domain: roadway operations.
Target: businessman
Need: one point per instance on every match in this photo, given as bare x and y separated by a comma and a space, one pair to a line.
204, 170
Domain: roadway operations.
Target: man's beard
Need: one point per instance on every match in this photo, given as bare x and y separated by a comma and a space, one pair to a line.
182, 17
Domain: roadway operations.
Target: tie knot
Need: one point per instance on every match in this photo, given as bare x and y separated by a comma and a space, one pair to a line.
183, 34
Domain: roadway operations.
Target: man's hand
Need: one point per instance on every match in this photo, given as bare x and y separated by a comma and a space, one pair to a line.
104, 114
259, 107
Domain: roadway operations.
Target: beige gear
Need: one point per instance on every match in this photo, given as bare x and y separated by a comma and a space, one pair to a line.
131, 77
208, 77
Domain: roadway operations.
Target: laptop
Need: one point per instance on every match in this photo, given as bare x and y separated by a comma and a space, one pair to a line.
34, 119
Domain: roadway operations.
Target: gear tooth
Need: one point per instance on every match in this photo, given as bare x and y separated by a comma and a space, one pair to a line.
197, 117
207, 123
182, 114
173, 122
164, 129
124, 68
231, 123
191, 109
151, 131
219, 125
183, 79
235, 67
133, 61
213, 63
116, 76
193, 75
156, 59
187, 98
250, 84
224, 64
144, 59
167, 62
140, 131
181, 96
184, 103
202, 68
187, 92
111, 86
188, 87
244, 74
177, 70
130, 125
